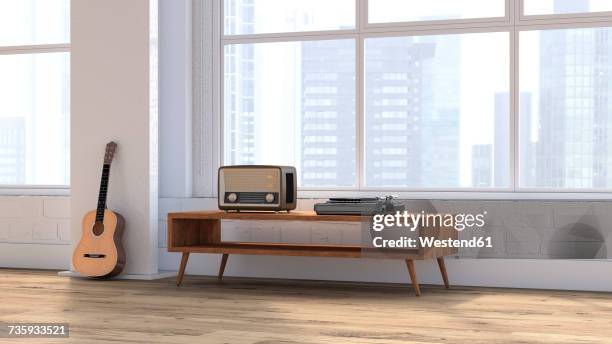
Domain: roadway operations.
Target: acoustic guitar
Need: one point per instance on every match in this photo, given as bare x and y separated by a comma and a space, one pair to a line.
100, 251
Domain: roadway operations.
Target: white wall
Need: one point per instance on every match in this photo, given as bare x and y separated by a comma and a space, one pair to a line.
111, 100
35, 232
111, 49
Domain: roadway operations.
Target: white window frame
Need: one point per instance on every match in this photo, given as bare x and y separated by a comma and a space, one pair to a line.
209, 42
29, 189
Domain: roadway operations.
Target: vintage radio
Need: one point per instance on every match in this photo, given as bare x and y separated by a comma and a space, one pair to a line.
255, 187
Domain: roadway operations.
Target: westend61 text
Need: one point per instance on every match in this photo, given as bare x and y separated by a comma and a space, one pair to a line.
405, 242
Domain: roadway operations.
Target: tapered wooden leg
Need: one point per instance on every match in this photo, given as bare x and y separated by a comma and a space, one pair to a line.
413, 278
443, 272
181, 272
222, 266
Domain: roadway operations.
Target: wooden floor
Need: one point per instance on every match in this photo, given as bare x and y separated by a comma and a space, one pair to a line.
249, 311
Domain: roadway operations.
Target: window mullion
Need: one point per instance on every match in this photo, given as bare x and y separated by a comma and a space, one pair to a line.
362, 14
361, 20
514, 14
514, 111
359, 112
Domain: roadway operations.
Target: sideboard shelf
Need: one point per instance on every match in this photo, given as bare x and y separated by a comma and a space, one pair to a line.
261, 248
200, 232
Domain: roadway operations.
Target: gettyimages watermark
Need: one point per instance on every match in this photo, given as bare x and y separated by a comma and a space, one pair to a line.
405, 230
412, 221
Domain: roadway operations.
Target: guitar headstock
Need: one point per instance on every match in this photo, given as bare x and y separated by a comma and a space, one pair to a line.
111, 147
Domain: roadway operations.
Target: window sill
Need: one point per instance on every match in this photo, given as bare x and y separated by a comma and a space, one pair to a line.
462, 195
38, 190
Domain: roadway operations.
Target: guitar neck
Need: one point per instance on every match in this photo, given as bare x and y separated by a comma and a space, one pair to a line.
103, 192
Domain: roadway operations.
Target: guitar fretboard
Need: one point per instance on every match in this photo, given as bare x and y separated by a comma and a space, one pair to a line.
102, 195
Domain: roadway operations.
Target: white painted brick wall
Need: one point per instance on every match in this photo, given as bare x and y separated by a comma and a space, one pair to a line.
291, 234
518, 229
63, 230
505, 216
325, 233
264, 232
162, 234
45, 230
56, 207
236, 231
21, 207
5, 227
35, 219
351, 233
21, 230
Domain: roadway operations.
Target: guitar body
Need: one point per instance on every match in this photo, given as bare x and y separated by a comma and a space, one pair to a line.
100, 255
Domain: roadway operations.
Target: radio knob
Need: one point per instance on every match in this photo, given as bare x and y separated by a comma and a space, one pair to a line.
232, 197
269, 198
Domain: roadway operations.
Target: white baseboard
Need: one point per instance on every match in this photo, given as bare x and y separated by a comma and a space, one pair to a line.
143, 277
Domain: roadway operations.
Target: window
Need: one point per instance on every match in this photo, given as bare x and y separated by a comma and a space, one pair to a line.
288, 112
407, 95
566, 108
540, 7
29, 22
455, 99
34, 83
243, 17
389, 11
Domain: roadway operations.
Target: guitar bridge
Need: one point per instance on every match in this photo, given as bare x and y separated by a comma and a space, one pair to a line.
94, 255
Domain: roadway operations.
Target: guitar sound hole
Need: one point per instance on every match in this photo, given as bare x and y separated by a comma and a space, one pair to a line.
94, 255
98, 228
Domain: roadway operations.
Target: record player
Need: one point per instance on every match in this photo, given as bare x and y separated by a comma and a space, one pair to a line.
358, 206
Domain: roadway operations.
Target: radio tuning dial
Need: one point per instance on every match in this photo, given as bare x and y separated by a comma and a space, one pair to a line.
269, 198
232, 197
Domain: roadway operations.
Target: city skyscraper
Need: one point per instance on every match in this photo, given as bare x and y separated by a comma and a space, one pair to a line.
574, 147
323, 83
12, 150
499, 159
482, 169
394, 80
239, 88
328, 125
412, 108
412, 111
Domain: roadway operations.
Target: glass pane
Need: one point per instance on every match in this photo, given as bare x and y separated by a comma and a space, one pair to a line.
268, 16
34, 119
385, 11
24, 22
539, 7
566, 108
293, 103
437, 111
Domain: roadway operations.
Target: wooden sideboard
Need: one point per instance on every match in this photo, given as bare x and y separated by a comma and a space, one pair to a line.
200, 232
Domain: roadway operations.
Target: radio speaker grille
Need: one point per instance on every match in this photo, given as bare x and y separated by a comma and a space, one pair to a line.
252, 180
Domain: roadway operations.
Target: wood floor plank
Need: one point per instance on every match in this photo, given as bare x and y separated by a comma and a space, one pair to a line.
258, 311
